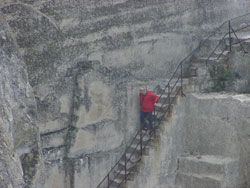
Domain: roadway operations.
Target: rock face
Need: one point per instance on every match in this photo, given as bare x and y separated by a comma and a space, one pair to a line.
205, 143
239, 63
70, 77
20, 144
220, 129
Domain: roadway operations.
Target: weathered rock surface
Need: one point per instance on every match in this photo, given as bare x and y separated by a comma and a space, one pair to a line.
222, 129
20, 144
72, 68
204, 144
239, 64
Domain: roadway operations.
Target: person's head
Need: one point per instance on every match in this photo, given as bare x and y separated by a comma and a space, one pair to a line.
143, 90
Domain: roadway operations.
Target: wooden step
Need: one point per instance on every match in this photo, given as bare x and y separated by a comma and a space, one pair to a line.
191, 180
164, 89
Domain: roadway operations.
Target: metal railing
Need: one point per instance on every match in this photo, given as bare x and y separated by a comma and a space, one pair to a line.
224, 31
227, 35
113, 174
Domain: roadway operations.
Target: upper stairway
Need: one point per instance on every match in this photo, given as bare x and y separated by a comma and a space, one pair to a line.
128, 165
191, 74
232, 35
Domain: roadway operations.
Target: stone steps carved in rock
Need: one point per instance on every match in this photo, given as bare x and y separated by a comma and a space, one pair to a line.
197, 171
209, 164
163, 107
120, 175
209, 45
159, 115
133, 155
114, 184
100, 9
131, 166
202, 170
190, 180
164, 99
199, 64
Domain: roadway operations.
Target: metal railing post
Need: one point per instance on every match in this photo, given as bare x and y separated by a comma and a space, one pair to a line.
125, 167
154, 122
238, 40
141, 141
153, 118
169, 100
230, 38
181, 81
108, 180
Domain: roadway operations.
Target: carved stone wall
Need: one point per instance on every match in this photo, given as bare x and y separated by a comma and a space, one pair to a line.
82, 64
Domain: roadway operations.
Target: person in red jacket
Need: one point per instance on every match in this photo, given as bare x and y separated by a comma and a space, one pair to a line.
147, 103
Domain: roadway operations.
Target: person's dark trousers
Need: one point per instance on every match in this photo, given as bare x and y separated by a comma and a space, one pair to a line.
149, 117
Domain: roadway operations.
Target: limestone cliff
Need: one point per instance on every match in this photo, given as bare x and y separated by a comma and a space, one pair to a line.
20, 139
70, 72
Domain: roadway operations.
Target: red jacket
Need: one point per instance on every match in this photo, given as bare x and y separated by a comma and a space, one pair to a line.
148, 101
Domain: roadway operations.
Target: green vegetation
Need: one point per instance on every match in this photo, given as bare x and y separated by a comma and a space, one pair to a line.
221, 77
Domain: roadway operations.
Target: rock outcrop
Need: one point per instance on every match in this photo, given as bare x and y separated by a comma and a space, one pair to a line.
21, 156
204, 144
70, 72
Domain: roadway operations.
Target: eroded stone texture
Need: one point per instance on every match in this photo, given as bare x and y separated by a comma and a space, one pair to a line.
100, 105
212, 130
55, 177
20, 144
221, 129
84, 60
239, 65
